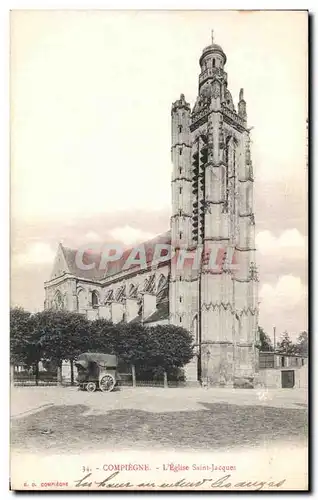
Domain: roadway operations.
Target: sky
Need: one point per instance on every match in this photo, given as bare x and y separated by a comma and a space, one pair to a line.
91, 95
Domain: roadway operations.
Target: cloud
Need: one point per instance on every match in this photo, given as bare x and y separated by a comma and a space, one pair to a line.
285, 294
92, 236
129, 235
290, 244
36, 253
285, 305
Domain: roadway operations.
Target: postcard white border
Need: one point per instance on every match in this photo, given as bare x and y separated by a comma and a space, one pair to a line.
5, 6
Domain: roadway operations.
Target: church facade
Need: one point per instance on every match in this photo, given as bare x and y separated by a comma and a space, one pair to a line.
212, 225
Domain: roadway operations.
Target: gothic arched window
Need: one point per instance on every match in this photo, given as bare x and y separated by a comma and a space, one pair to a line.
195, 329
150, 284
213, 63
94, 299
121, 293
81, 300
162, 281
109, 297
133, 290
162, 289
58, 301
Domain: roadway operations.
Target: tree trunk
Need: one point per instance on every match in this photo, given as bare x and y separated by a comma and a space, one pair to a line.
72, 371
37, 373
59, 373
133, 372
165, 379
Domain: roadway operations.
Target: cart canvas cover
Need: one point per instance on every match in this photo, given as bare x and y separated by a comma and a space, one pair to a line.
106, 360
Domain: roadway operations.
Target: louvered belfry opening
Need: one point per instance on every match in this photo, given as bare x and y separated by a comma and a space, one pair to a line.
195, 191
199, 161
203, 157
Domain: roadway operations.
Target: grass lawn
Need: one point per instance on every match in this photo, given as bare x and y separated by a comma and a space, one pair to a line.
216, 426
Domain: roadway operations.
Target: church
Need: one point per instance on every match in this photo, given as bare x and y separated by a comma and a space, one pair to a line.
212, 214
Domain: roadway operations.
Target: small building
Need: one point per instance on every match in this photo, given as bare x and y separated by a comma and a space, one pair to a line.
281, 370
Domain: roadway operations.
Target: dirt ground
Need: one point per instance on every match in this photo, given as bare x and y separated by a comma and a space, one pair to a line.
29, 399
66, 419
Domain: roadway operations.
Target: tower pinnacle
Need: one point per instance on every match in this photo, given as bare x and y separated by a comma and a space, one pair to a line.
212, 36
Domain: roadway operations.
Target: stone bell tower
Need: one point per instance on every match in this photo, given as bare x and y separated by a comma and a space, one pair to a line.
212, 197
182, 289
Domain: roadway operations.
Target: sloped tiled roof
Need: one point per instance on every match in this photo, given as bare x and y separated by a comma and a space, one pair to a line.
88, 258
114, 267
160, 314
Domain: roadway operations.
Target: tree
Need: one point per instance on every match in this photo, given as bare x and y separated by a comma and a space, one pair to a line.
133, 346
63, 336
129, 341
285, 345
57, 335
302, 344
265, 341
103, 335
20, 332
24, 340
78, 338
171, 347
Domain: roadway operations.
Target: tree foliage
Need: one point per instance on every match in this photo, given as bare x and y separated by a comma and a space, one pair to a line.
62, 334
265, 341
133, 344
101, 337
285, 345
23, 340
57, 335
301, 346
171, 347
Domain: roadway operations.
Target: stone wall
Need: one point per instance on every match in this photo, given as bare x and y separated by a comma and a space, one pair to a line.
301, 377
272, 378
76, 294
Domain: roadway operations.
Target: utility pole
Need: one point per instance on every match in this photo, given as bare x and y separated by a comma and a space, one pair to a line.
274, 331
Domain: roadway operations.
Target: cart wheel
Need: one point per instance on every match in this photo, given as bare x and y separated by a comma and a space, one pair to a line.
107, 383
91, 387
